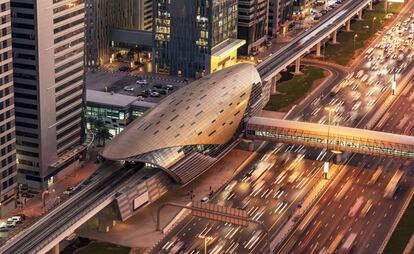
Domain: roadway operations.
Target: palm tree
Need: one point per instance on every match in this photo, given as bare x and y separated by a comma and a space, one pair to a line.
103, 134
99, 129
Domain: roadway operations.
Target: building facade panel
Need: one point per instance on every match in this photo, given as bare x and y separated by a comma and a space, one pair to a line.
8, 171
187, 33
104, 15
252, 24
280, 13
48, 44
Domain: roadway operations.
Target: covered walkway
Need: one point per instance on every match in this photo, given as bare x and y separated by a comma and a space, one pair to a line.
333, 137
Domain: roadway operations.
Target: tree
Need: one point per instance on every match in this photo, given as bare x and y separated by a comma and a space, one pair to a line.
99, 129
103, 134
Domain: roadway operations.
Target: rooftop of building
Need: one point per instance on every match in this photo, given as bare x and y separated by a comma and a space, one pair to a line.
143, 104
110, 99
227, 46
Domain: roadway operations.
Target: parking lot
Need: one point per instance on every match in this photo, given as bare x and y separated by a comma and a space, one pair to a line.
148, 87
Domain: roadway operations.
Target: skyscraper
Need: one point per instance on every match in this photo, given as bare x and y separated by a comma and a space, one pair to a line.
280, 12
48, 49
104, 15
7, 131
252, 24
194, 37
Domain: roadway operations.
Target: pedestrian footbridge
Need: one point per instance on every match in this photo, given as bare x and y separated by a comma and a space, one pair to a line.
332, 137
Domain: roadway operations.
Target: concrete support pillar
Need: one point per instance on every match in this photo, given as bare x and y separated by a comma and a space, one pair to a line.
297, 66
370, 6
56, 249
348, 26
360, 15
318, 49
334, 35
251, 146
273, 85
386, 6
338, 158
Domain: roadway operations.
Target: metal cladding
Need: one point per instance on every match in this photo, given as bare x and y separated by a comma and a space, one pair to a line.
205, 113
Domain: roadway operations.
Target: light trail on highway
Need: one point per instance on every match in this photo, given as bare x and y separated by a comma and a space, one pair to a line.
359, 172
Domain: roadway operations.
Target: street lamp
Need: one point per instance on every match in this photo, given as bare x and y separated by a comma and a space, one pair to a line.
206, 239
323, 54
44, 193
326, 164
393, 85
355, 37
373, 23
329, 109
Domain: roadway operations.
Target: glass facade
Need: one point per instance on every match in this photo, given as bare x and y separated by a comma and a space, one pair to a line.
335, 142
186, 31
115, 118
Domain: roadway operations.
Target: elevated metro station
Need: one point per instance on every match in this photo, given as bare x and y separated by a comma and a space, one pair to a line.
191, 129
333, 137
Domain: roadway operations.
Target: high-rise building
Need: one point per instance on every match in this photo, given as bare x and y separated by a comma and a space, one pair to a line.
301, 8
48, 63
104, 15
252, 24
7, 131
194, 37
280, 12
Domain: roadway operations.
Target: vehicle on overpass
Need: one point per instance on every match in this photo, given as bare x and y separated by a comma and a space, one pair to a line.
357, 205
393, 184
348, 244
335, 243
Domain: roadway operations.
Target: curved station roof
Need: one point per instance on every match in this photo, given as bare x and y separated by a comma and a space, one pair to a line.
207, 111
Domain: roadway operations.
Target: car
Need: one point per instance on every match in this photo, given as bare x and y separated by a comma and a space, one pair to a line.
160, 91
128, 89
205, 199
169, 87
159, 86
3, 227
144, 94
140, 98
18, 219
141, 82
231, 185
123, 68
11, 223
154, 94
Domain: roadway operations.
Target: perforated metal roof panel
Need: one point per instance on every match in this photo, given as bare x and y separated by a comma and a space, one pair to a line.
207, 111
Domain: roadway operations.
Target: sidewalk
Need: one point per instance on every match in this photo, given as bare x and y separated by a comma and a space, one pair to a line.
33, 208
139, 230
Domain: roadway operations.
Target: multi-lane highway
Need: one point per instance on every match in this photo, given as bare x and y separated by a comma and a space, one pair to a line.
274, 197
303, 43
289, 173
64, 214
